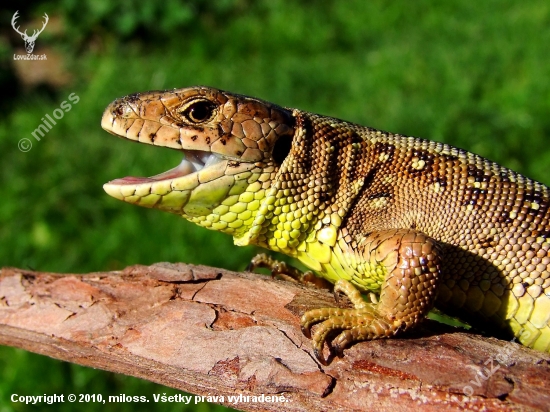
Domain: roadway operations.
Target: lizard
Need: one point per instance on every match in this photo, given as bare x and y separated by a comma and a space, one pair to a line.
410, 222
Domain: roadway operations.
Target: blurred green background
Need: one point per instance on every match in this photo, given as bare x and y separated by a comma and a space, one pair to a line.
472, 74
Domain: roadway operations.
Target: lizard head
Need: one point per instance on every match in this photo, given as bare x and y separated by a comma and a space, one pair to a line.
232, 147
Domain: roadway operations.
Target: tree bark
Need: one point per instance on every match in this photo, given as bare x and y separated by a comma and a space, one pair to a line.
222, 334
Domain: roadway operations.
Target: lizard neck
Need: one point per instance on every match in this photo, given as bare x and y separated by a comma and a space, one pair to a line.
313, 189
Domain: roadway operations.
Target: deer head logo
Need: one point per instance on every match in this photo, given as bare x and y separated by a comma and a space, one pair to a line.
29, 40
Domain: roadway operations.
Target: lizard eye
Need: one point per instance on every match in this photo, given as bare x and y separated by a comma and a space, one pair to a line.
199, 111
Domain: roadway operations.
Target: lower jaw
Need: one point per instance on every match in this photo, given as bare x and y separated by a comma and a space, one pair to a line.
147, 191
195, 194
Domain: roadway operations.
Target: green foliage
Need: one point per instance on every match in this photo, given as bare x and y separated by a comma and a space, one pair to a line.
145, 21
471, 74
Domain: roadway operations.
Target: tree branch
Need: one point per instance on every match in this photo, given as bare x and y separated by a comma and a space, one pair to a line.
210, 331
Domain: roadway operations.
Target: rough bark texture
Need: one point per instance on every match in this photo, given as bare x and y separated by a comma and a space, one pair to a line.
210, 331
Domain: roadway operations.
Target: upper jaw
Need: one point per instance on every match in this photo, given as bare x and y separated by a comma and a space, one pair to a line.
126, 118
193, 161
241, 131
134, 118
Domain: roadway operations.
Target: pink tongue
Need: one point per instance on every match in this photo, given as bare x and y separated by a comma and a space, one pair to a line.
183, 169
129, 180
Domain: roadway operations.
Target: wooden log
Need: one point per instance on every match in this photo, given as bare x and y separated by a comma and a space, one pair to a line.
236, 337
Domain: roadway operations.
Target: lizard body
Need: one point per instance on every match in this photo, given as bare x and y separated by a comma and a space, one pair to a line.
417, 222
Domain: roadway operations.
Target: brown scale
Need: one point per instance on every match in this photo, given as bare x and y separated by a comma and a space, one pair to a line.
420, 155
495, 199
331, 171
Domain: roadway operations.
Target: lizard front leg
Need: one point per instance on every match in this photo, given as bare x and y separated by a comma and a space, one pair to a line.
282, 270
410, 262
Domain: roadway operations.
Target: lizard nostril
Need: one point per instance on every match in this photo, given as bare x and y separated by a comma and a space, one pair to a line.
119, 110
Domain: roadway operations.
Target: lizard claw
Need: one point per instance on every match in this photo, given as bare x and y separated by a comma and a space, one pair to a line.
341, 342
306, 330
261, 260
319, 355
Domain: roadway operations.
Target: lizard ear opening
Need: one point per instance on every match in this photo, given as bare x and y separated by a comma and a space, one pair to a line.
281, 149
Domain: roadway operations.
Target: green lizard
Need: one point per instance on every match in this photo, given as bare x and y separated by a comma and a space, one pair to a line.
416, 222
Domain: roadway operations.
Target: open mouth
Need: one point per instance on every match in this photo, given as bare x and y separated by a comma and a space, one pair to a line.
193, 161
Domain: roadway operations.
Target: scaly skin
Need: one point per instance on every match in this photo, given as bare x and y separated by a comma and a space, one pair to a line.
417, 222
